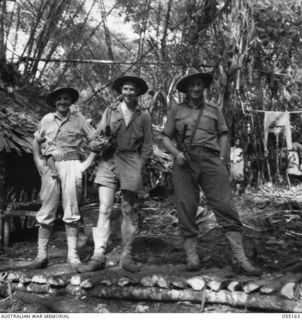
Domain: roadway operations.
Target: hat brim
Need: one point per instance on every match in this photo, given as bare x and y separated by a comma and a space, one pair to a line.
207, 78
118, 83
74, 94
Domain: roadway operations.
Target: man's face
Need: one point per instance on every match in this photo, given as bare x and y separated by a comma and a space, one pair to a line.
129, 91
62, 102
195, 88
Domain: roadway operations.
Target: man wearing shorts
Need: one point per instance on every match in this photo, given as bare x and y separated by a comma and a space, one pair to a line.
121, 169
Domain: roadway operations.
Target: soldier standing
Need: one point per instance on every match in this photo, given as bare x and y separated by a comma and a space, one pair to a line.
200, 162
121, 169
56, 153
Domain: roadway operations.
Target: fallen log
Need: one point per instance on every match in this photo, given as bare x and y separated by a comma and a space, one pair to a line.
64, 304
289, 290
237, 299
37, 288
234, 286
276, 284
197, 283
256, 285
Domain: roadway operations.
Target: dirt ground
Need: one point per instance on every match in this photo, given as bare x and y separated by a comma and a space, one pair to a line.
272, 237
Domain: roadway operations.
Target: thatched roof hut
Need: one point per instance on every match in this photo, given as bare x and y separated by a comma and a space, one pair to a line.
19, 116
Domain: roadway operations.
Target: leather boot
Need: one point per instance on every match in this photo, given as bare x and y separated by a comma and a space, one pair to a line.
129, 229
190, 246
98, 260
41, 259
126, 260
72, 234
241, 260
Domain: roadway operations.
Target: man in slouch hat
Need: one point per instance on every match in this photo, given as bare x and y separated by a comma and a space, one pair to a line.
56, 153
200, 131
121, 168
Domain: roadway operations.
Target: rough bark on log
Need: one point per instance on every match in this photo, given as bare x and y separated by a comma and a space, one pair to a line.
179, 283
25, 279
234, 286
37, 288
197, 283
39, 278
57, 281
289, 290
14, 276
256, 285
216, 285
161, 281
239, 299
276, 284
104, 276
251, 287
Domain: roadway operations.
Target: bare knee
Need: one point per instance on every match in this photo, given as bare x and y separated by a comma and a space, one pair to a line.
127, 208
105, 210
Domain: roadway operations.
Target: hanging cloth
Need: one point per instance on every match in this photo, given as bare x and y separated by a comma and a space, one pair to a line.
294, 166
275, 122
237, 164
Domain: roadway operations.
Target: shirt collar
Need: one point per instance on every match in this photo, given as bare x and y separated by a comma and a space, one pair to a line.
200, 105
119, 103
57, 116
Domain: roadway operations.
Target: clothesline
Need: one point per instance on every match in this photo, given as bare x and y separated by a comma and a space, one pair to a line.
296, 111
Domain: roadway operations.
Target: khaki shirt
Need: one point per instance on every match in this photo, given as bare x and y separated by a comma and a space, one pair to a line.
63, 135
137, 136
211, 125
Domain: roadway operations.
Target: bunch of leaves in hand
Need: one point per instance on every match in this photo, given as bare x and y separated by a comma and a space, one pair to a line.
104, 143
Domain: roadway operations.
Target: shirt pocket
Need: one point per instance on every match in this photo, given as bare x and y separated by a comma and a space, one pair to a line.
71, 135
136, 138
137, 130
50, 133
208, 122
181, 121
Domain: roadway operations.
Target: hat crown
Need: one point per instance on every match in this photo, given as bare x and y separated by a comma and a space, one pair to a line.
74, 94
191, 71
118, 83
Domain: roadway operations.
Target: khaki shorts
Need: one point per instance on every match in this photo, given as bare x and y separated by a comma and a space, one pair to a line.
123, 170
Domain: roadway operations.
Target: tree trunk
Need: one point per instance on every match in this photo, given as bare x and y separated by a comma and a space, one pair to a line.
106, 29
2, 32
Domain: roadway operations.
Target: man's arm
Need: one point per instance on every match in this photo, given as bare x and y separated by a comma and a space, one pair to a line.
89, 133
93, 142
168, 132
36, 148
147, 147
169, 145
88, 162
223, 141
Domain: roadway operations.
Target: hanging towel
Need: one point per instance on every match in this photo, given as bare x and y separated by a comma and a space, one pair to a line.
237, 164
294, 166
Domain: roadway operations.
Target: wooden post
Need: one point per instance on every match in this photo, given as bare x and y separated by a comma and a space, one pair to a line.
2, 194
277, 157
